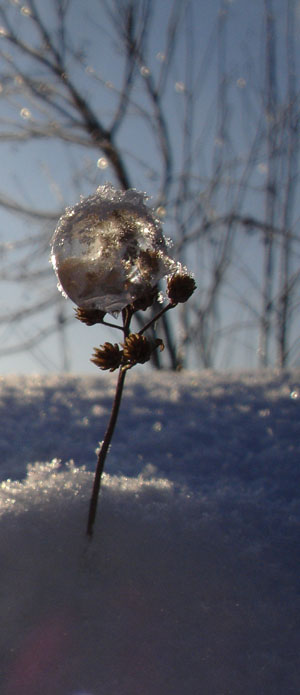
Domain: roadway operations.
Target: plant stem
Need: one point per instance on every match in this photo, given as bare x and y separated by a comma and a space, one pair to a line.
112, 325
155, 318
103, 451
108, 434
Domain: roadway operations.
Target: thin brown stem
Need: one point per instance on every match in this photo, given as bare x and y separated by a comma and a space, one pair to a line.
127, 314
103, 452
112, 325
155, 318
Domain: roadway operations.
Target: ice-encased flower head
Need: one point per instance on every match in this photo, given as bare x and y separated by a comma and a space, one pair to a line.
109, 250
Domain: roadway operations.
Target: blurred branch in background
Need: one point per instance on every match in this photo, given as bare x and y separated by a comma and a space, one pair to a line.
124, 90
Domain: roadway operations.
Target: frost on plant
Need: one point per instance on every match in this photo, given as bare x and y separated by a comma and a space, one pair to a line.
109, 250
109, 254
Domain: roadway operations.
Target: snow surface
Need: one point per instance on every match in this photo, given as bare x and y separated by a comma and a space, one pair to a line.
191, 583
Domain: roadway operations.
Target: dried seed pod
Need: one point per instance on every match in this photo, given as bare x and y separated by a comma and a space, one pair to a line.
89, 316
137, 349
108, 356
146, 300
180, 287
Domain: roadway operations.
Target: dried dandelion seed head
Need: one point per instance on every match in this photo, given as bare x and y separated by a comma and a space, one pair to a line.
109, 250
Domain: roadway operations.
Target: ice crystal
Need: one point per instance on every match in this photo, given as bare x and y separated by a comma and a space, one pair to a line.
108, 250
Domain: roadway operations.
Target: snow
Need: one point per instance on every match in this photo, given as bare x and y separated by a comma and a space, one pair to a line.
191, 582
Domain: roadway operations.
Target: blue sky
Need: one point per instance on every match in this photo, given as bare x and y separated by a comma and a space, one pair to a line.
50, 176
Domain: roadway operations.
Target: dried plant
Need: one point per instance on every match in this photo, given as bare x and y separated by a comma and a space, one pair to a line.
109, 254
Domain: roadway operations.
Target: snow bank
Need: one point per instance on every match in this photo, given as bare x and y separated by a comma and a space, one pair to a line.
190, 582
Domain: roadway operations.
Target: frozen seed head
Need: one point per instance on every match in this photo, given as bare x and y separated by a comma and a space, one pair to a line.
108, 251
146, 300
180, 287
